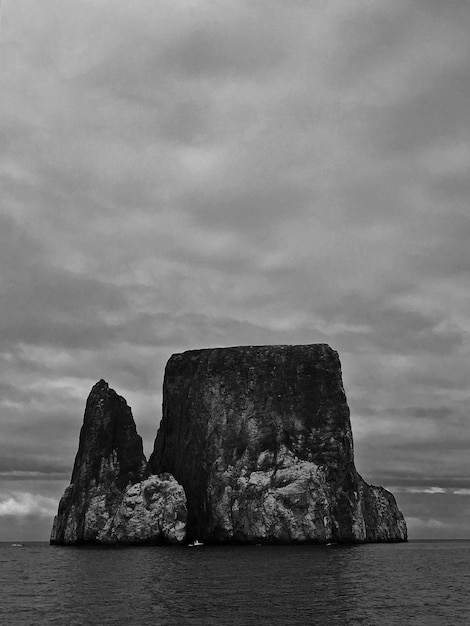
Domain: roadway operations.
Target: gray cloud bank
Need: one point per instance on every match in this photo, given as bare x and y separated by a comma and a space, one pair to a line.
192, 174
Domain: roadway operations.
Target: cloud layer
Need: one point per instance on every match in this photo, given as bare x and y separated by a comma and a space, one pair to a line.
192, 174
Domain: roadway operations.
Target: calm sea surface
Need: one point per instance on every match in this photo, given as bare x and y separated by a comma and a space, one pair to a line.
405, 584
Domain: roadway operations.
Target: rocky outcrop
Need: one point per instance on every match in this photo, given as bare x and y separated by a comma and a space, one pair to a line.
260, 439
152, 511
255, 446
383, 519
112, 498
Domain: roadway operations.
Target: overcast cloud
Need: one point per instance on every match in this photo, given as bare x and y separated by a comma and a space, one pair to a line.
190, 174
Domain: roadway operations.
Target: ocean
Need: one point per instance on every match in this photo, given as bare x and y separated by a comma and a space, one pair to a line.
375, 584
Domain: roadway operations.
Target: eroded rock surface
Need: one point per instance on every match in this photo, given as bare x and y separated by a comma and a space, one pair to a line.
260, 439
152, 511
383, 519
112, 498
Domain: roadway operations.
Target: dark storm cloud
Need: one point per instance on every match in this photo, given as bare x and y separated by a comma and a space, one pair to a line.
395, 329
60, 310
243, 46
44, 304
436, 113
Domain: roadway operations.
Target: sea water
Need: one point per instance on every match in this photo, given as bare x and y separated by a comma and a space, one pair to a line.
375, 584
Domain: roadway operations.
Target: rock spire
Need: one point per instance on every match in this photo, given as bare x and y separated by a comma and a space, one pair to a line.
111, 497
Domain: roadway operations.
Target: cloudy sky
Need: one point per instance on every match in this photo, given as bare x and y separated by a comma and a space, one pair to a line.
201, 173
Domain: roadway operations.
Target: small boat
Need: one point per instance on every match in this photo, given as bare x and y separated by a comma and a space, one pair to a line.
17, 545
195, 544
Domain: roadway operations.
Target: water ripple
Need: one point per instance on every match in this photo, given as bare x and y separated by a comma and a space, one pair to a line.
413, 584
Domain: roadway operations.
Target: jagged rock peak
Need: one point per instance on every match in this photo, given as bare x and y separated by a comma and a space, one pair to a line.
110, 458
109, 432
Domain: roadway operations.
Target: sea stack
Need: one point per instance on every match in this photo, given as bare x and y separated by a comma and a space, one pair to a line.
260, 439
112, 498
254, 446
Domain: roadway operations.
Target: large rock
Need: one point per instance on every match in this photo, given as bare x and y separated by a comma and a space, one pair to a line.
260, 439
112, 498
152, 511
255, 445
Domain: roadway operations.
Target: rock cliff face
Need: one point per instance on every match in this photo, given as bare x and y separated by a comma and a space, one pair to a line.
112, 498
255, 446
260, 439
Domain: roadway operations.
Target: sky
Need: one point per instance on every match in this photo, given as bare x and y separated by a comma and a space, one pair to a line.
202, 173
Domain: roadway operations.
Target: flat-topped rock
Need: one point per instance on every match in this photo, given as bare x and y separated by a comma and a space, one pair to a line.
260, 439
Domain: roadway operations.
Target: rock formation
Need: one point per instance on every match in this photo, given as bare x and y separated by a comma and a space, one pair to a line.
255, 446
260, 439
112, 498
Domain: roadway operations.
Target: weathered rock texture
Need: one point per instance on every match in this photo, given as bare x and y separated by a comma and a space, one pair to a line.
260, 440
152, 511
112, 498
